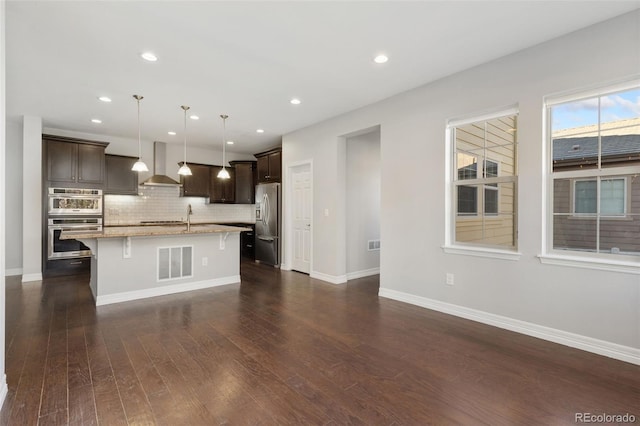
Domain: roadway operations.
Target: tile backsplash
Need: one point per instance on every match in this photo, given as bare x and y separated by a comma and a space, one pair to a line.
163, 203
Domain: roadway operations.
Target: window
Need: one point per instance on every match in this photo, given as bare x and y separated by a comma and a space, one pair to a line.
612, 197
484, 181
594, 175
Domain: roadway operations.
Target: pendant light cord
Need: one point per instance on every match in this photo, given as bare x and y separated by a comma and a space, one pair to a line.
224, 142
185, 136
139, 143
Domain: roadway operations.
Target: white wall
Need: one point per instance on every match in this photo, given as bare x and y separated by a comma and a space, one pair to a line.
32, 199
588, 303
3, 377
363, 203
13, 193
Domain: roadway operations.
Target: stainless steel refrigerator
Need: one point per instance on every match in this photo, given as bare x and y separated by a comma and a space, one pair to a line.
268, 223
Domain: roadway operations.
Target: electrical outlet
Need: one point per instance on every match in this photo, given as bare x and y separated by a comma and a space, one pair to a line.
205, 261
449, 279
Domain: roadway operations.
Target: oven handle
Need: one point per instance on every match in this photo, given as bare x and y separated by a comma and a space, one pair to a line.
75, 228
89, 197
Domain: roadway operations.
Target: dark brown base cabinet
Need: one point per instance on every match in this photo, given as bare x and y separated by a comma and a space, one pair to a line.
247, 240
120, 178
269, 165
61, 267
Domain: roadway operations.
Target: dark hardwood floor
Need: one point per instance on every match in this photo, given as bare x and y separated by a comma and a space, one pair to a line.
282, 348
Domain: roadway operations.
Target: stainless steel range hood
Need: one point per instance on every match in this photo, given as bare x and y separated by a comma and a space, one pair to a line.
160, 177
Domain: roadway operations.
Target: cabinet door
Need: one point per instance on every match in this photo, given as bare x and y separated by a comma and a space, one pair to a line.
245, 183
263, 169
222, 190
196, 185
62, 161
90, 164
120, 179
275, 166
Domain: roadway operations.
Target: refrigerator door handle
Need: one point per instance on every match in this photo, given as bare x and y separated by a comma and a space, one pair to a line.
264, 209
269, 239
266, 199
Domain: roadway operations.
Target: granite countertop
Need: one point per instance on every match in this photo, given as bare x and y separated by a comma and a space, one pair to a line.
179, 223
150, 231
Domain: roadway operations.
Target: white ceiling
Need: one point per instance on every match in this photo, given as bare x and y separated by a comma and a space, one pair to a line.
248, 59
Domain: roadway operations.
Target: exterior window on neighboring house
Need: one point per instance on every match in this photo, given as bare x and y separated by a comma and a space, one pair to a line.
594, 175
484, 181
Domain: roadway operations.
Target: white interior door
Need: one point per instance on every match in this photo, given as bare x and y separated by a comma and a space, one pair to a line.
302, 204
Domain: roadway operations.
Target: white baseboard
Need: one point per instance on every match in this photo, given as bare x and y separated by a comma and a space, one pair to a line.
127, 296
333, 279
589, 344
363, 273
3, 389
31, 277
12, 272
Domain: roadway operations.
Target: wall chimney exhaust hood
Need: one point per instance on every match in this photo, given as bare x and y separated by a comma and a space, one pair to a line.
160, 177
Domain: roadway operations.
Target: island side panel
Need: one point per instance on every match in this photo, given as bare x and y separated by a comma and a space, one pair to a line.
121, 279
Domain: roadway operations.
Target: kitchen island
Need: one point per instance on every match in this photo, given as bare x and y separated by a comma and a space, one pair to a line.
136, 262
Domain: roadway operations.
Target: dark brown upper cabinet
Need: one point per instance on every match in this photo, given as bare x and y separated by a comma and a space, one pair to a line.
74, 162
246, 179
120, 178
222, 190
269, 165
196, 185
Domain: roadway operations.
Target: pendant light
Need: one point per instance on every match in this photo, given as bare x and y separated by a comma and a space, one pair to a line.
139, 165
224, 174
185, 170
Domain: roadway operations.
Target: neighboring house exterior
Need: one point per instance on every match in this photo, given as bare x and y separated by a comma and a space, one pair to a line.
575, 199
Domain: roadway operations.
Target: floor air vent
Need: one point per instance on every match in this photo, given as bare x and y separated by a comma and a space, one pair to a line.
175, 262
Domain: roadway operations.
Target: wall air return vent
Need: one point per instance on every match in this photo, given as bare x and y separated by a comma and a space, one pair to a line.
373, 245
175, 263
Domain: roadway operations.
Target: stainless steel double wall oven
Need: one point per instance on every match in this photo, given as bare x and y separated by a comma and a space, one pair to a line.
71, 209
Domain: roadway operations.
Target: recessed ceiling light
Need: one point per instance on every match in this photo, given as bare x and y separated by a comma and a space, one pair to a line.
171, 133
260, 131
104, 99
194, 117
229, 142
295, 101
148, 56
95, 120
380, 59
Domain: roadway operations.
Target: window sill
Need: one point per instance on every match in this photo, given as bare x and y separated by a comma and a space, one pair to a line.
591, 263
482, 252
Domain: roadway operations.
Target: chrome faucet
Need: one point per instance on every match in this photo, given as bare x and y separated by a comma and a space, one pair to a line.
189, 213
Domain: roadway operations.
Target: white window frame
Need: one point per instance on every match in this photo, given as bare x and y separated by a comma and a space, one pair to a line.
451, 208
576, 258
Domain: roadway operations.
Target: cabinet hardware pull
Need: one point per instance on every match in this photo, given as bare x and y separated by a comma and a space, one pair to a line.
76, 263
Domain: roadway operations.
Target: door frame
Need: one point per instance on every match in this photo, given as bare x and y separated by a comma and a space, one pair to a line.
287, 193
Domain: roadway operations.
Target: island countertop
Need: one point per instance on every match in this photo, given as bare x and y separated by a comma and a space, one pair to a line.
149, 231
